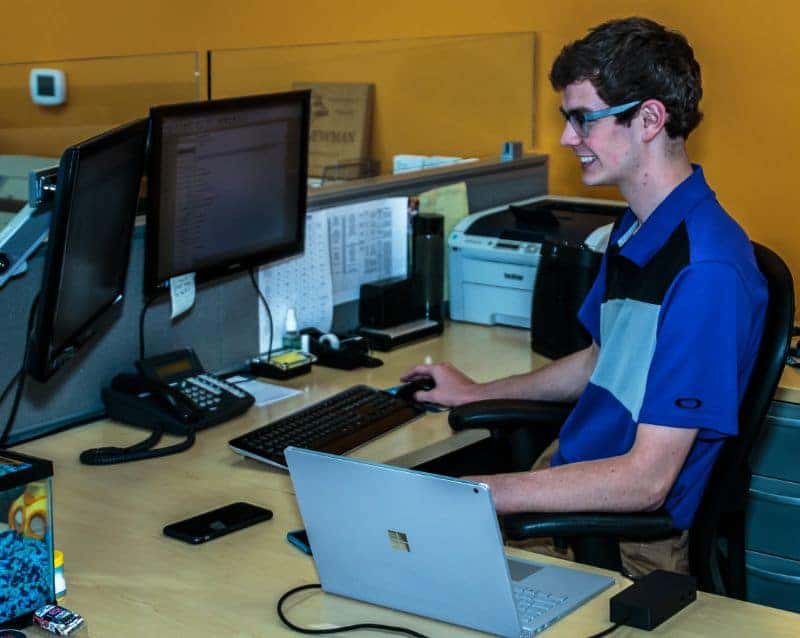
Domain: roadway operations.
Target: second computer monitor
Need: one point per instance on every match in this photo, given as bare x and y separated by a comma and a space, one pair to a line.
227, 185
89, 244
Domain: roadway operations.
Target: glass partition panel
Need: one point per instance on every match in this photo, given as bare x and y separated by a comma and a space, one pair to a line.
101, 93
454, 97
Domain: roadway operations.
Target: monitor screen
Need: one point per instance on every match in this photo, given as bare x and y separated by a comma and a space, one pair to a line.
88, 245
227, 185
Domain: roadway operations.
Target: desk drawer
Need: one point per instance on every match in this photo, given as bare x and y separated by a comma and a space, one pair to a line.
772, 581
773, 517
779, 449
495, 273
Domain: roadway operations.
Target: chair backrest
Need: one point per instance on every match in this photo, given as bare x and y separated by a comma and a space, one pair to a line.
727, 490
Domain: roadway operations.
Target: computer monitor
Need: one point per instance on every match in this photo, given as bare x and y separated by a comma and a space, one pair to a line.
88, 245
227, 185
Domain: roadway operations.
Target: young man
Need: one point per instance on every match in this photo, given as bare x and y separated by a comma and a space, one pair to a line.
676, 313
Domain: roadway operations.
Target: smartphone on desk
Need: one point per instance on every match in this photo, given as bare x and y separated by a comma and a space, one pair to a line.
223, 520
299, 538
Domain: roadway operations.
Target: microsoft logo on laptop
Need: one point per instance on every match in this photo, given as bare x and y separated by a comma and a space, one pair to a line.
399, 541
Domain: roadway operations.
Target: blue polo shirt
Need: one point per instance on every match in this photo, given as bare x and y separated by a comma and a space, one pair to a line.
677, 311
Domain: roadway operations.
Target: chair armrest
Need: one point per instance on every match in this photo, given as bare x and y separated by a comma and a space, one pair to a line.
504, 414
630, 525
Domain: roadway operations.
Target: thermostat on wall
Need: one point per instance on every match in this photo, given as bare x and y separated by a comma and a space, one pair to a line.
48, 87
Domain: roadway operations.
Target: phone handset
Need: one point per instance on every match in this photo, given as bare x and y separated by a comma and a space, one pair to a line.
184, 409
164, 374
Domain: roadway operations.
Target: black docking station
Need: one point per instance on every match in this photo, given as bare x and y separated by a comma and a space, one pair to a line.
652, 599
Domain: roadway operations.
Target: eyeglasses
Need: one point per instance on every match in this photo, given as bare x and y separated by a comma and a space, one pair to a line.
581, 120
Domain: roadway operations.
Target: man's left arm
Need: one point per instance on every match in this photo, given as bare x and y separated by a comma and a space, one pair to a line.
638, 480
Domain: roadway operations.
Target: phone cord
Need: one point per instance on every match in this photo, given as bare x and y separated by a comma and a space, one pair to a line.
136, 452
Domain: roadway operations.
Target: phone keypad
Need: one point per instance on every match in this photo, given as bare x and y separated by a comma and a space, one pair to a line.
202, 393
218, 384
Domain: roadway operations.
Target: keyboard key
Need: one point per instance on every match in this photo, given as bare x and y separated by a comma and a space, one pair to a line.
532, 603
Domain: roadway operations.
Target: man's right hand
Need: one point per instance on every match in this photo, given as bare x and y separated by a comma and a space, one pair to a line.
453, 387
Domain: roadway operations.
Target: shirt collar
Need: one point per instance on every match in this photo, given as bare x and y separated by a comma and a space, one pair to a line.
664, 219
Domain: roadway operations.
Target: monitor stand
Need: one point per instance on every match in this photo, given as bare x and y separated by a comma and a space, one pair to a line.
20, 239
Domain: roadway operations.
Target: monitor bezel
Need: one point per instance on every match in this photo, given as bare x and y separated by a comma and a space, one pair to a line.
44, 358
153, 285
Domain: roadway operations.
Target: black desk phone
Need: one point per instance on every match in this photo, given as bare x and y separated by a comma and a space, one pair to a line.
174, 390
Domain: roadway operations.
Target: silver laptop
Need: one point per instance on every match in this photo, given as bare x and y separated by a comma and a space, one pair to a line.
425, 544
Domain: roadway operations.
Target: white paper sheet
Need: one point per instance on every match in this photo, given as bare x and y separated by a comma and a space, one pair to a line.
406, 163
264, 393
303, 283
368, 241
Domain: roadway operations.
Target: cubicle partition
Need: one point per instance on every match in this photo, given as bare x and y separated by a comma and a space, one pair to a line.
447, 96
457, 96
219, 327
222, 326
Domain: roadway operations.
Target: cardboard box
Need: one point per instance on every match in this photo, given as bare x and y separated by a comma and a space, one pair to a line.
341, 124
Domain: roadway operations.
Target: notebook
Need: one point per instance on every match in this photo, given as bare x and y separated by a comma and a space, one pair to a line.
425, 544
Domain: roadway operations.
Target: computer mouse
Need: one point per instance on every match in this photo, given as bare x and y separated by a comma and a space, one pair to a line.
407, 390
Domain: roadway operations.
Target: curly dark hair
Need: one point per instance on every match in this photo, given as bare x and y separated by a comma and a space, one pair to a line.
636, 59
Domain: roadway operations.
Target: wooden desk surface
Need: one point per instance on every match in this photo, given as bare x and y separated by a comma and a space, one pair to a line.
789, 388
127, 579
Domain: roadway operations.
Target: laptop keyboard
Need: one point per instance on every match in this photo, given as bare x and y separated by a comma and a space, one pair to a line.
532, 603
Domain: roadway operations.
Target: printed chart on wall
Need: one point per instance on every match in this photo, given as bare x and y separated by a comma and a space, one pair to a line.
346, 246
368, 242
302, 283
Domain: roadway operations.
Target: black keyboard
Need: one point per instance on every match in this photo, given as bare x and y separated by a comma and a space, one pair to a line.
336, 425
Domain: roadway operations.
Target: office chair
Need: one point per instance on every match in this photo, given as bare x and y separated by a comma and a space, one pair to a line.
521, 430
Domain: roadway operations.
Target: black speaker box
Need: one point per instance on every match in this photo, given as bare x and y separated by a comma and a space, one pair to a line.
389, 302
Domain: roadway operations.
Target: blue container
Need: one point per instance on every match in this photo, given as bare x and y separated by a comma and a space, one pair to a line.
26, 537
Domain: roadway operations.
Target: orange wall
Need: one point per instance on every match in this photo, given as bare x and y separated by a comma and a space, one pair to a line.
749, 52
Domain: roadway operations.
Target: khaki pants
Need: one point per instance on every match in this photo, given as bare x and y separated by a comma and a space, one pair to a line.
638, 558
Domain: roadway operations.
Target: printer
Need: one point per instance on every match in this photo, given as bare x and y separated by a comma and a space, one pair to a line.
493, 255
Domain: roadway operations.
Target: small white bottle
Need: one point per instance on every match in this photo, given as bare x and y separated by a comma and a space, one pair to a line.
291, 336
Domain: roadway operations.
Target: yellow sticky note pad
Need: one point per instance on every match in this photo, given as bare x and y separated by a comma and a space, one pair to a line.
290, 357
